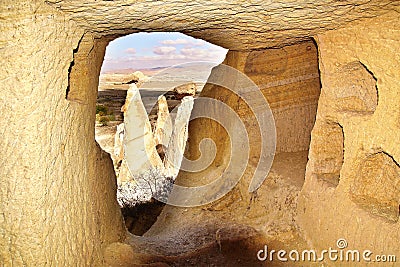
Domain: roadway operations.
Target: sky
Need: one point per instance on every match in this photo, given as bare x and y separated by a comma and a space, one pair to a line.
150, 50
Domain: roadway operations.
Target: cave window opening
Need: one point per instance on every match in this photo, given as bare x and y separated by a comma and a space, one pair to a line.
137, 60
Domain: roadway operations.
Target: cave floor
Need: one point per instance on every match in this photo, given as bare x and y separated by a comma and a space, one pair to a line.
204, 237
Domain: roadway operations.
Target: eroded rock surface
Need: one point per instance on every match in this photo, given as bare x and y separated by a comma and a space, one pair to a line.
140, 146
143, 173
376, 188
235, 25
163, 129
288, 79
183, 90
57, 188
363, 153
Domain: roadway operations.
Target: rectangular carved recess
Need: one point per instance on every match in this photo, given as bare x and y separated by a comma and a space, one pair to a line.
376, 188
78, 72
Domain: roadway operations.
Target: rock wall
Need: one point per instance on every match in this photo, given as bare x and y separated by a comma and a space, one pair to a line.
57, 187
289, 79
236, 25
353, 174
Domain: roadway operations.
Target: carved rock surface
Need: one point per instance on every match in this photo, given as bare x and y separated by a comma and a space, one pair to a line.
289, 80
235, 25
355, 91
376, 187
360, 78
57, 188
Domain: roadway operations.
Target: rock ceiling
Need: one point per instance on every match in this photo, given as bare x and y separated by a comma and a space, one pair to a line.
236, 25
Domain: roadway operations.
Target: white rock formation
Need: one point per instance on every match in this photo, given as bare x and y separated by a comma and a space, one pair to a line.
163, 130
118, 144
139, 145
142, 173
129, 95
177, 143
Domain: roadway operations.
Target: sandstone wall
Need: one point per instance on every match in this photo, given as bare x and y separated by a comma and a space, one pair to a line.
57, 188
352, 187
289, 80
236, 25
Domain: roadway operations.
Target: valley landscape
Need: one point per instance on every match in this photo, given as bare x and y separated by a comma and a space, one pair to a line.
152, 83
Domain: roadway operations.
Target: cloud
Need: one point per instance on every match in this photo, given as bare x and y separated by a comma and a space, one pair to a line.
164, 50
193, 52
208, 54
175, 42
172, 52
130, 51
181, 41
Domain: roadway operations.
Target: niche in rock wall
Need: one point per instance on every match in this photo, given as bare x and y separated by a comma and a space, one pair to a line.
84, 70
376, 186
289, 79
75, 90
356, 90
327, 152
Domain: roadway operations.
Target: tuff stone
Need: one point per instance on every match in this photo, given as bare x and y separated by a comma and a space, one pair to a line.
58, 189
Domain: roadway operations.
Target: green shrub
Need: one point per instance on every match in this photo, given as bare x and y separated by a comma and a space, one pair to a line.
103, 120
102, 110
111, 117
103, 115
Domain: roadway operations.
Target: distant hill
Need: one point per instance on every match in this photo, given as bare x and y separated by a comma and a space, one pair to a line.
147, 72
